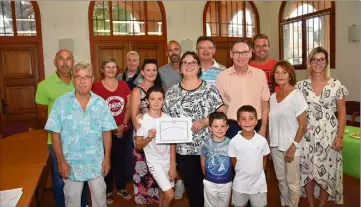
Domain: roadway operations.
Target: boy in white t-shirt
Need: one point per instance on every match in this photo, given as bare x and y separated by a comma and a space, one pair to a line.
160, 160
248, 151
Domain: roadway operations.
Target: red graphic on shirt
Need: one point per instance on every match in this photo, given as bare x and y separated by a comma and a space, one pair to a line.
115, 104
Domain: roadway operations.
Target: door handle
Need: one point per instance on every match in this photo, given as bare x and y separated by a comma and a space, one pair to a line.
4, 105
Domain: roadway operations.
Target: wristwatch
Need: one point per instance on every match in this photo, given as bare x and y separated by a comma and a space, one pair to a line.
297, 145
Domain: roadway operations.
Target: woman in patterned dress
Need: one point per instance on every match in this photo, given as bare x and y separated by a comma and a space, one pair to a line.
193, 98
145, 187
321, 163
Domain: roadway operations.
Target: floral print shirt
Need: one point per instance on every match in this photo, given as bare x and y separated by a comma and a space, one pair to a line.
81, 133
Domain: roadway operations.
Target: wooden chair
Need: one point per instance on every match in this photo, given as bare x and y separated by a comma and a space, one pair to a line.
353, 110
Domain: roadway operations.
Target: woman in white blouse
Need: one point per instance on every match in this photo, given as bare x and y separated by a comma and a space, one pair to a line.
287, 124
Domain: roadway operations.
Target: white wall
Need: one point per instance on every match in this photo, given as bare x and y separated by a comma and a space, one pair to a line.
64, 19
184, 21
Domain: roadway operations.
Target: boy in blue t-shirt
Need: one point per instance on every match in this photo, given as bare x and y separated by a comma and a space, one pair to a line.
216, 165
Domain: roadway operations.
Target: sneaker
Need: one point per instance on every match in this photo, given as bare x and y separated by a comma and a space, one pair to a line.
124, 194
179, 190
110, 198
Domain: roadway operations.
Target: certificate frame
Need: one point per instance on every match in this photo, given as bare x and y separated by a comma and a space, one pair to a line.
174, 130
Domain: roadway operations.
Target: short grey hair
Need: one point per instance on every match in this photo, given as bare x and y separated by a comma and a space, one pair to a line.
83, 65
135, 53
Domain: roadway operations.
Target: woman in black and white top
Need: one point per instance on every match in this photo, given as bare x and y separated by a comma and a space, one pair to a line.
287, 124
193, 98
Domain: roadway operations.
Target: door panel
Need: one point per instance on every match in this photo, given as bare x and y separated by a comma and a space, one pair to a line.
222, 54
105, 50
119, 51
19, 77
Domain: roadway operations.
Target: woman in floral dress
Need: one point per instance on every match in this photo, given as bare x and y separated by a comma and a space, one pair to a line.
145, 187
321, 162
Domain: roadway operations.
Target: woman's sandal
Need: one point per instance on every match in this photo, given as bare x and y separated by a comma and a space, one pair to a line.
124, 194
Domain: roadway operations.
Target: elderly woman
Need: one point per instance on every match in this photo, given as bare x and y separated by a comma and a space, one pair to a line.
287, 124
321, 165
193, 98
117, 95
80, 124
145, 187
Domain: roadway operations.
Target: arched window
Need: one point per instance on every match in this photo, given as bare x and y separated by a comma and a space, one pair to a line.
22, 22
305, 25
21, 62
116, 27
227, 21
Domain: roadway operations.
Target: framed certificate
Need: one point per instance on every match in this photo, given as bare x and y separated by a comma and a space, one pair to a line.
174, 130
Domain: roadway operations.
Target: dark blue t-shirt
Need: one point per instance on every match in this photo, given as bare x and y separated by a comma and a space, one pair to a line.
218, 164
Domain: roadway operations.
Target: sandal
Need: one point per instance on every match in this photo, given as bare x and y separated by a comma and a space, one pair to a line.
124, 194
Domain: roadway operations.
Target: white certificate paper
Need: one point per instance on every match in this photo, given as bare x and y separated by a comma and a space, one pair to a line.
174, 130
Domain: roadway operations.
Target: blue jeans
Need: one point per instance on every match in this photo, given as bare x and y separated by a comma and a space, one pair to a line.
58, 183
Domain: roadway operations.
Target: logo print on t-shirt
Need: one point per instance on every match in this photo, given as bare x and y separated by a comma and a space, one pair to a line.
218, 164
115, 104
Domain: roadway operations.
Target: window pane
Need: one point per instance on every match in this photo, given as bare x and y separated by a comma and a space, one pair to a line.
250, 21
101, 21
212, 19
6, 21
298, 8
154, 18
235, 28
25, 18
318, 33
128, 18
292, 43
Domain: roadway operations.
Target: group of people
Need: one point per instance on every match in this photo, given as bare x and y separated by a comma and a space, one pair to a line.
106, 131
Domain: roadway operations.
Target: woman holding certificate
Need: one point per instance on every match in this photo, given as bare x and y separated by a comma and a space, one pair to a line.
145, 187
196, 99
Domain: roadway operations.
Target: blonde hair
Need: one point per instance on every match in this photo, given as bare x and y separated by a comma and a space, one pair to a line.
133, 53
310, 56
82, 65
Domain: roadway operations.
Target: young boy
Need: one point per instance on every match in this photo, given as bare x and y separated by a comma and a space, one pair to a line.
160, 160
248, 152
216, 165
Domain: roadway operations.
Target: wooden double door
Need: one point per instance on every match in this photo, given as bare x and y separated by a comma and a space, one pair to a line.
19, 76
119, 50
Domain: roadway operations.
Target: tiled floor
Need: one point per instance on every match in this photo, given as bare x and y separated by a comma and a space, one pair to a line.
351, 195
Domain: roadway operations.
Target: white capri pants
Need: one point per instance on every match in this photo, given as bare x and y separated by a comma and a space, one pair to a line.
216, 194
73, 191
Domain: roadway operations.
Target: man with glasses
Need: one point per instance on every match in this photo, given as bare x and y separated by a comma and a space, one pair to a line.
170, 73
261, 60
48, 90
241, 85
206, 48
80, 124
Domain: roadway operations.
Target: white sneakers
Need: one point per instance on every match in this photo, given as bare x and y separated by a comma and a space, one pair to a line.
179, 190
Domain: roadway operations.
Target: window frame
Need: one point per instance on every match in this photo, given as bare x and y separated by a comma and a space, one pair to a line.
112, 37
303, 18
228, 39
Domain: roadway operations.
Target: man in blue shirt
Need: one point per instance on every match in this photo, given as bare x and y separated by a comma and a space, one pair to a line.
206, 48
80, 124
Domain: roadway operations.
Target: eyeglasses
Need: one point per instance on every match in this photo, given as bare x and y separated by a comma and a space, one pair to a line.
87, 77
318, 60
205, 48
238, 53
193, 63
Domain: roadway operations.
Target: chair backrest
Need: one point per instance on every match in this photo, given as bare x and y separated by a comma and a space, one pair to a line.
15, 129
352, 107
